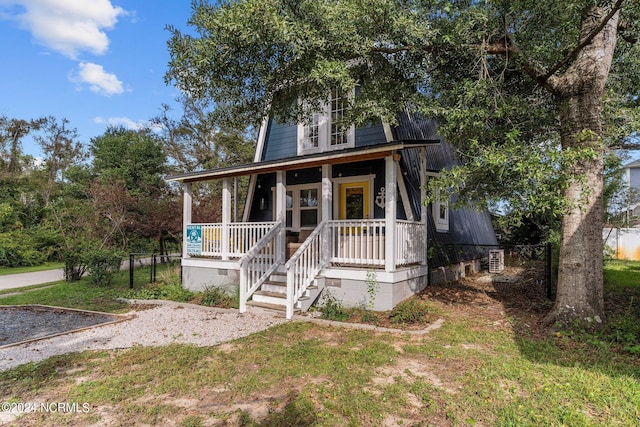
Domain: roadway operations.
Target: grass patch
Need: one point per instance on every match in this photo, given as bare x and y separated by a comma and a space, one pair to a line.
622, 277
30, 269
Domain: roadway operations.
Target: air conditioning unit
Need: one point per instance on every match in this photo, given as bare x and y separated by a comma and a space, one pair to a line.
496, 260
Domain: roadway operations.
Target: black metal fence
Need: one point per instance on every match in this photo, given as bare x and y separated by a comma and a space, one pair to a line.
144, 264
539, 258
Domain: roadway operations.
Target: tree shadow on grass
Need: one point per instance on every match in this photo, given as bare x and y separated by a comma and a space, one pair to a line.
297, 411
519, 296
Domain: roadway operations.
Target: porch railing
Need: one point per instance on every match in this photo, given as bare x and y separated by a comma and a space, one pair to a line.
258, 264
410, 243
242, 236
304, 265
357, 242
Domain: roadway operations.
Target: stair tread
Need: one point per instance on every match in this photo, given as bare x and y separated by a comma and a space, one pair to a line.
272, 283
271, 294
275, 307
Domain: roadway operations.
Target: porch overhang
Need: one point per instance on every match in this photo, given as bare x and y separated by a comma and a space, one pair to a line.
299, 162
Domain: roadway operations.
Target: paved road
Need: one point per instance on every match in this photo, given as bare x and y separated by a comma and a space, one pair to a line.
20, 280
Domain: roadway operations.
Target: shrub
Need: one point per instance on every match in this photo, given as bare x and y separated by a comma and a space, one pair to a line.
171, 292
332, 309
411, 310
74, 264
102, 264
18, 248
219, 297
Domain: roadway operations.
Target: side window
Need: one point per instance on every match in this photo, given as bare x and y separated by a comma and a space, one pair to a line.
440, 211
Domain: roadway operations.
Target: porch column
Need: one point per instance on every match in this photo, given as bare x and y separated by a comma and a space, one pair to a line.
423, 207
226, 216
186, 214
281, 210
327, 203
390, 213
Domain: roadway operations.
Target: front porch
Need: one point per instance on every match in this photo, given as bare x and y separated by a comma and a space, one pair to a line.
341, 244
338, 254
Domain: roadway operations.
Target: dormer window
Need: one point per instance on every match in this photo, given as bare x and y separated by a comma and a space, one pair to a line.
325, 131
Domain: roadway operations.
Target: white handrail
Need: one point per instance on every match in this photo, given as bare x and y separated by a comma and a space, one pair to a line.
259, 262
304, 265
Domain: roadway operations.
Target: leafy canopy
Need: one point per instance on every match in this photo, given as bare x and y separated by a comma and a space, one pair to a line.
487, 71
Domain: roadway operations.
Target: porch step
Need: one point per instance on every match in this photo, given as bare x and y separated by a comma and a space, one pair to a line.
278, 276
271, 286
279, 295
279, 310
270, 297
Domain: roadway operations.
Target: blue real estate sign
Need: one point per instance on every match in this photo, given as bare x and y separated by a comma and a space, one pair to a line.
194, 239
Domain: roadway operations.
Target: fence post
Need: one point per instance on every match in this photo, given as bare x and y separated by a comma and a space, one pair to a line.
548, 268
130, 271
155, 264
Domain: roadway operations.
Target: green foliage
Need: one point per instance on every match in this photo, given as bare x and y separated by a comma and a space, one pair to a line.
372, 288
332, 309
18, 249
411, 310
214, 296
135, 157
170, 291
102, 264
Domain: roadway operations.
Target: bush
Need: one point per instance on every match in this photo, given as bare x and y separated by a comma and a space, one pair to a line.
74, 264
411, 310
172, 292
102, 265
18, 249
332, 309
218, 297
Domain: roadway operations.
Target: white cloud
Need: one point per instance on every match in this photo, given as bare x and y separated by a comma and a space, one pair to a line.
67, 26
97, 78
126, 122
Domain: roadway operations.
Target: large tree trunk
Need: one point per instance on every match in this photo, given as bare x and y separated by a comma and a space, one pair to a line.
580, 282
579, 93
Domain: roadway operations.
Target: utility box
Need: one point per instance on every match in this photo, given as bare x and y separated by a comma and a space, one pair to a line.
496, 260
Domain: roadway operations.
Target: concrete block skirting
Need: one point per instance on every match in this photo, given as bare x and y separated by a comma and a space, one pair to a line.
198, 274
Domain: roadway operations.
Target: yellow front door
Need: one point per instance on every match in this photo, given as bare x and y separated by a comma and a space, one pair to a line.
354, 200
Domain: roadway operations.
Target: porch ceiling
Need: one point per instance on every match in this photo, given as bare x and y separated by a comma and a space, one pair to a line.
312, 160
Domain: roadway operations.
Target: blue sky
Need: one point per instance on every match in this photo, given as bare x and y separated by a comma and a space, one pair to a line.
94, 62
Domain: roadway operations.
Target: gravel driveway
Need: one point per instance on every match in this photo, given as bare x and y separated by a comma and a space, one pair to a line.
164, 323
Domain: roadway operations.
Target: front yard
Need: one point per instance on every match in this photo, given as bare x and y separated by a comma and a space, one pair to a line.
491, 363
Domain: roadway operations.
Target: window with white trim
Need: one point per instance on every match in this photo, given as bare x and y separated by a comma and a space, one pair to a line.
302, 207
325, 131
440, 211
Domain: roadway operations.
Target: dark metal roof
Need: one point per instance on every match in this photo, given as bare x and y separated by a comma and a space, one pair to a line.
310, 160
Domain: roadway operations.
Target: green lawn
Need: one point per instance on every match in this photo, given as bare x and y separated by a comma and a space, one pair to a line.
489, 364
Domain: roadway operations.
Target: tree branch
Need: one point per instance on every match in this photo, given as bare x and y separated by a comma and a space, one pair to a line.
564, 61
507, 48
390, 50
